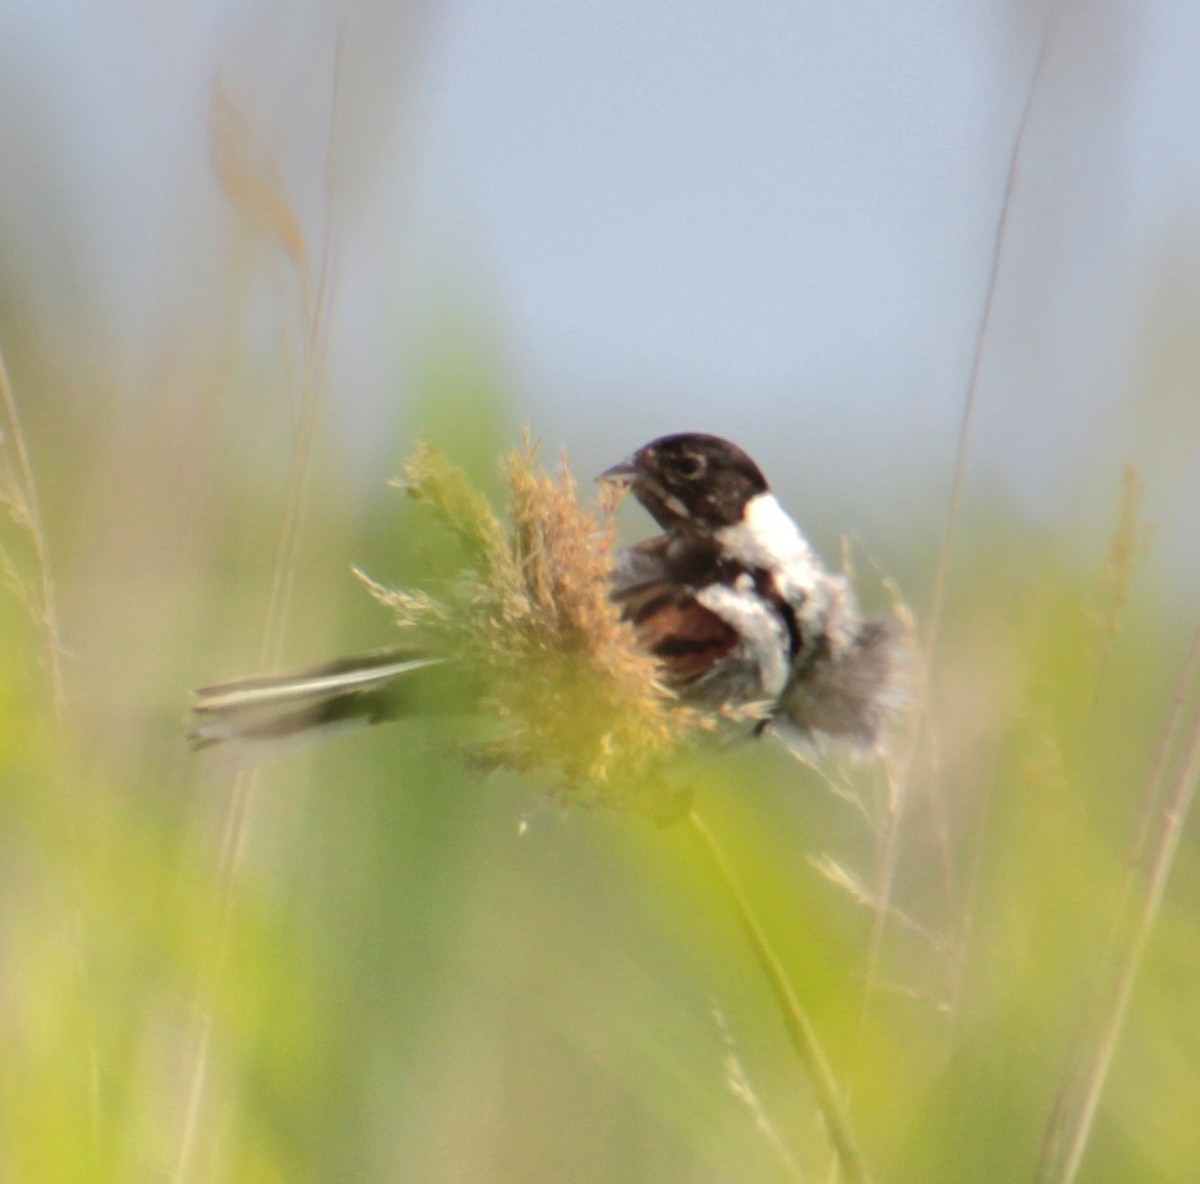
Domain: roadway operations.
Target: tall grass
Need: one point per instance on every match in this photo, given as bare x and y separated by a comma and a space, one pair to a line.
382, 964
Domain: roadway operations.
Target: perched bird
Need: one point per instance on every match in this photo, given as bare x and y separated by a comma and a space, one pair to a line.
739, 609
730, 599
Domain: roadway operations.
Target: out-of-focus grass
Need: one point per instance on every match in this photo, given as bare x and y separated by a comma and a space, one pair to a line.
374, 964
410, 989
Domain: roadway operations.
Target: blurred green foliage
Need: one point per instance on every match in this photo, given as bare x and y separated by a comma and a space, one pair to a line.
372, 964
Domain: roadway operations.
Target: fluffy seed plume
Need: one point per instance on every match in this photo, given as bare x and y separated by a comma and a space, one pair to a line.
560, 672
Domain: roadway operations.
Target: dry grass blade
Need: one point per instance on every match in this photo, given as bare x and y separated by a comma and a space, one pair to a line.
743, 1089
250, 179
803, 1035
902, 769
1129, 545
1071, 1124
253, 184
18, 494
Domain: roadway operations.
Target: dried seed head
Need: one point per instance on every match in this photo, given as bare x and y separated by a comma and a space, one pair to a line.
574, 695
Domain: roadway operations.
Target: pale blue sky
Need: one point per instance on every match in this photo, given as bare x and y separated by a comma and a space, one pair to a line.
771, 219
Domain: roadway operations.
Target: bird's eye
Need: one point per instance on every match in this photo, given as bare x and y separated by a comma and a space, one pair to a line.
690, 467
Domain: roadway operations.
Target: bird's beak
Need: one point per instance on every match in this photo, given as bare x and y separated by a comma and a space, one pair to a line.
623, 474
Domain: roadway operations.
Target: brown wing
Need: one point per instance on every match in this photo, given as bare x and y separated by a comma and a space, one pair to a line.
686, 638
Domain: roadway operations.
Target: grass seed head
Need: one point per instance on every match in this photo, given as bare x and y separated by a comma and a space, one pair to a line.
561, 672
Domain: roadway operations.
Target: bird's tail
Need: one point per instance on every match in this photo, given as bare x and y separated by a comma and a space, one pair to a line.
850, 697
266, 716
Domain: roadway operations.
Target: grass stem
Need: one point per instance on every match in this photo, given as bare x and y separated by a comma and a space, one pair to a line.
799, 1026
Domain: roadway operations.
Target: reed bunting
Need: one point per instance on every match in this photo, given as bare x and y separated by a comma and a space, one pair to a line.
730, 599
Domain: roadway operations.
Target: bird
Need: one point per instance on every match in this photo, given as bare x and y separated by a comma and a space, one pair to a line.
731, 600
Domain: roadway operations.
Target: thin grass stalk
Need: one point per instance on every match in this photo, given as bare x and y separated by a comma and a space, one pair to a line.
1130, 543
1155, 781
1072, 1122
46, 604
315, 302
900, 778
738, 1081
44, 607
799, 1026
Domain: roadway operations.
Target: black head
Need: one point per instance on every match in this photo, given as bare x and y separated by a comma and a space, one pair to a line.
691, 482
